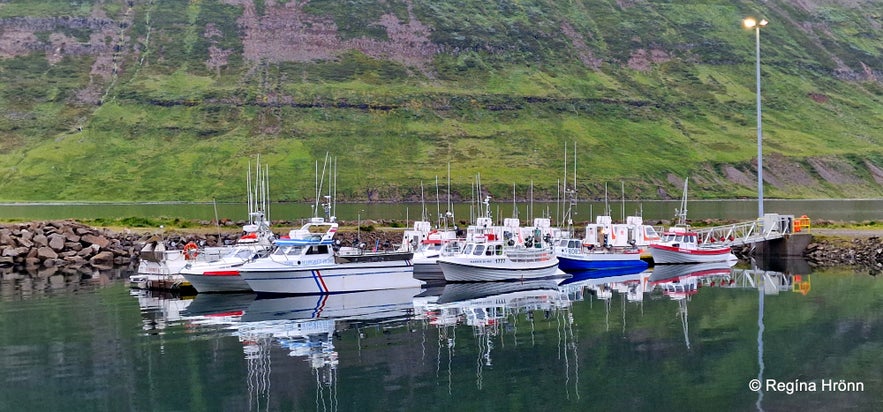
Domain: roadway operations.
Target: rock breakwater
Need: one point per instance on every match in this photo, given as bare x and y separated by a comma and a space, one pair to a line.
70, 246
867, 252
49, 246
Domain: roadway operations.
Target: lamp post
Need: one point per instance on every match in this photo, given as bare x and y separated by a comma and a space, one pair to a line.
751, 23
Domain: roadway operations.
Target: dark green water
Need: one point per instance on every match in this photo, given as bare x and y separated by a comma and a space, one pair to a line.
68, 343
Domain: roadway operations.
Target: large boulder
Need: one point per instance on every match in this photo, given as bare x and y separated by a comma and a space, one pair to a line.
40, 240
102, 258
56, 242
46, 253
99, 240
15, 251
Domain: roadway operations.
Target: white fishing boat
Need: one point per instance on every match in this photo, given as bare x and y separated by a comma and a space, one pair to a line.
308, 261
498, 253
159, 266
222, 275
617, 237
428, 244
208, 269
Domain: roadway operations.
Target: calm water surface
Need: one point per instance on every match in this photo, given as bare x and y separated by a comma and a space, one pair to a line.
663, 340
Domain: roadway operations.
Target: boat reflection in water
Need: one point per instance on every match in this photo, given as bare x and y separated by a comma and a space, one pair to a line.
630, 281
681, 281
306, 327
490, 309
490, 326
160, 309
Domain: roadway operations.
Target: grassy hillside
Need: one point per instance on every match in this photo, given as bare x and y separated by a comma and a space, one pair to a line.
171, 100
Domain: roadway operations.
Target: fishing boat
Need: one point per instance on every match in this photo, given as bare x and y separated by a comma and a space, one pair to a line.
680, 244
574, 257
498, 253
634, 233
428, 244
160, 267
159, 264
222, 275
310, 261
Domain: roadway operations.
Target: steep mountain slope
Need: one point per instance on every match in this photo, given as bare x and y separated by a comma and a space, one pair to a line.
149, 100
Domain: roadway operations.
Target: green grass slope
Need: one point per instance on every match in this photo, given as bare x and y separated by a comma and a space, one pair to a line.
147, 101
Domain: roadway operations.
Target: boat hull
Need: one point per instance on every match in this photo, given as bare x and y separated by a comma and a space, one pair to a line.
593, 261
663, 254
428, 272
333, 278
217, 281
455, 271
159, 282
376, 304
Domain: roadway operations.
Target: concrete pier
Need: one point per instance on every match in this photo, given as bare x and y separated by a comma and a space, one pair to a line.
789, 245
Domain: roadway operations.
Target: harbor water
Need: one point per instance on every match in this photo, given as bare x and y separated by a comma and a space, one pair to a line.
673, 341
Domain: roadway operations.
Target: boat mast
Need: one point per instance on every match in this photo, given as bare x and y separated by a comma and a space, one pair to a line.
437, 204
564, 184
530, 214
449, 214
622, 190
316, 188
681, 214
606, 205
422, 205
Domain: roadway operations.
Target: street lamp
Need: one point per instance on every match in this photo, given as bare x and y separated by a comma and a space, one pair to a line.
751, 23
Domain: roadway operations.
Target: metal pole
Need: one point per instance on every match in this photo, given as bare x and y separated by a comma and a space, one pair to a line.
759, 129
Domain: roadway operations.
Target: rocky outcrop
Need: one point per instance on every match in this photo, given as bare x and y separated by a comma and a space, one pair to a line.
866, 252
69, 244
